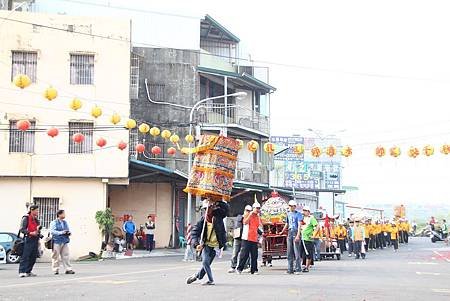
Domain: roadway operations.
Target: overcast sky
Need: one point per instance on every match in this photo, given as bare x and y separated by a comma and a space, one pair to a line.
378, 69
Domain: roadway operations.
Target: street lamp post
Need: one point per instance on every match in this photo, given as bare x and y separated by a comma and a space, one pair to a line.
191, 117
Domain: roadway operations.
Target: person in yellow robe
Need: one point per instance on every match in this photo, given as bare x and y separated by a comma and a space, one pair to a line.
341, 234
394, 230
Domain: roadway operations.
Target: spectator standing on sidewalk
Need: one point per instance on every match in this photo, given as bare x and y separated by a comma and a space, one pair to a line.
61, 237
149, 230
30, 228
293, 225
129, 228
237, 241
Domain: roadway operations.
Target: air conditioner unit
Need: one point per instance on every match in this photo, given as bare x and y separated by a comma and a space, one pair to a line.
240, 174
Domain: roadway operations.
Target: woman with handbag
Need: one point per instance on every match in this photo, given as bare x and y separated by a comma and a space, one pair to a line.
30, 228
60, 236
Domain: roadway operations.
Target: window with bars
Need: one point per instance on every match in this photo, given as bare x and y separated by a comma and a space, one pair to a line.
156, 91
134, 139
47, 210
85, 128
21, 141
134, 77
24, 62
82, 69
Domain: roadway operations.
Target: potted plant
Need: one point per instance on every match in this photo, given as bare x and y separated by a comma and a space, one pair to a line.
105, 221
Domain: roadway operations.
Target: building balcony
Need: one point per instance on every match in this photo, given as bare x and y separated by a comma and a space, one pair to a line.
238, 117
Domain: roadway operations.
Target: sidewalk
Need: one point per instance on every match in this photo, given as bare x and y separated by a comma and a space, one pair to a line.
154, 253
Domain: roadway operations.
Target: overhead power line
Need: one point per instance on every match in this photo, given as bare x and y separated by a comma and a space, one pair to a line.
265, 62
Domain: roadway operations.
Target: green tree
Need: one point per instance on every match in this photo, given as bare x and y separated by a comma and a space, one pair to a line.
105, 221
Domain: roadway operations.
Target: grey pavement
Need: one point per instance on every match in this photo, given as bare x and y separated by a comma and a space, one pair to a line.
419, 271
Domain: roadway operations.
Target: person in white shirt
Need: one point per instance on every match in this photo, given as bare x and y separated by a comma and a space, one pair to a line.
149, 230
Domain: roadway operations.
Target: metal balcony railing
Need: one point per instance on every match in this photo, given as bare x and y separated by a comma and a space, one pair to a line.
251, 172
238, 115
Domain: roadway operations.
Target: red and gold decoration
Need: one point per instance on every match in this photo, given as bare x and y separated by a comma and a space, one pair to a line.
156, 150
241, 143
122, 145
395, 151
445, 149
22, 81
166, 134
75, 104
213, 168
346, 151
96, 111
130, 124
269, 147
172, 151
252, 146
115, 118
53, 132
428, 150
298, 149
50, 93
78, 138
380, 151
189, 139
23, 125
154, 131
101, 142
331, 151
144, 128
316, 151
413, 152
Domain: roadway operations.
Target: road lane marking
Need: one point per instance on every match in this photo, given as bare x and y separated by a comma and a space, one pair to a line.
441, 256
87, 278
108, 281
424, 263
102, 276
441, 290
428, 273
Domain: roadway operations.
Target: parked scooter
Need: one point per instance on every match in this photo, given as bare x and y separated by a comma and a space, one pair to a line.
436, 235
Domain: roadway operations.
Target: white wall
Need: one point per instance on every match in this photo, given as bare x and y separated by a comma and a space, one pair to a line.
80, 198
142, 199
110, 91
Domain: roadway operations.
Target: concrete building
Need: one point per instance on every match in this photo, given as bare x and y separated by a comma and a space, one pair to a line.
75, 55
181, 67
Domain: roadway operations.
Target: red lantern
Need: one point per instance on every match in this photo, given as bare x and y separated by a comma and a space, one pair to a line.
53, 132
140, 148
78, 138
172, 151
122, 145
380, 151
23, 125
156, 150
101, 142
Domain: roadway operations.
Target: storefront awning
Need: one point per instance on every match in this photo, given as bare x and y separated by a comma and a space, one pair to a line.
140, 170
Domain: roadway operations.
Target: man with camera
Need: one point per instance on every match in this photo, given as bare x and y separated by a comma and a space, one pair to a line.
31, 230
60, 235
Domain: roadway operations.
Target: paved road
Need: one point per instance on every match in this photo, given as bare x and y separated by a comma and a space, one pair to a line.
419, 271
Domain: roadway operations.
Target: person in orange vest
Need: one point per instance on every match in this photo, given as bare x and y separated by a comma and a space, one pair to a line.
341, 233
358, 237
379, 235
393, 229
317, 237
367, 230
